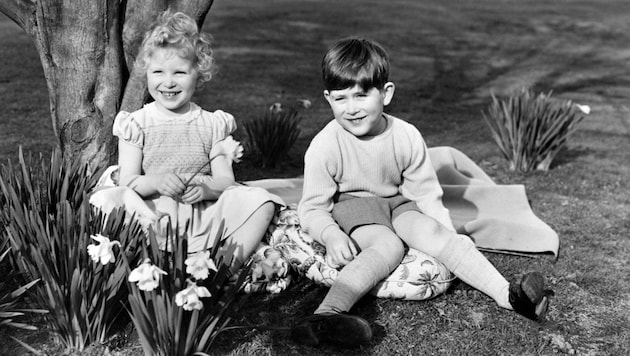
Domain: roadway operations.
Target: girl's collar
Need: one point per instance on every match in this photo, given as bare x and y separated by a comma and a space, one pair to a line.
194, 112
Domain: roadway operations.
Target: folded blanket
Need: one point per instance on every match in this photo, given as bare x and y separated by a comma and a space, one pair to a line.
496, 217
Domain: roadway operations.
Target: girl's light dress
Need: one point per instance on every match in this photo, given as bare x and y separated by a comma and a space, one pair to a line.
181, 145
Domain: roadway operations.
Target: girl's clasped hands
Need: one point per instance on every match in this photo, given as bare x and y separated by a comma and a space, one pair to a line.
172, 185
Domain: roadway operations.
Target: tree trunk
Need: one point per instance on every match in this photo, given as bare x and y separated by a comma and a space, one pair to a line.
85, 50
80, 50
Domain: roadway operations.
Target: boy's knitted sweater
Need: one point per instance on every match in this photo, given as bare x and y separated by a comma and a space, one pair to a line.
394, 162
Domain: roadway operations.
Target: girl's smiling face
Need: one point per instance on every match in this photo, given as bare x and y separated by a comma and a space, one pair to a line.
171, 80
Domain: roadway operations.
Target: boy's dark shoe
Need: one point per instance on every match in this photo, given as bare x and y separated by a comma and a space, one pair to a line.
339, 329
529, 297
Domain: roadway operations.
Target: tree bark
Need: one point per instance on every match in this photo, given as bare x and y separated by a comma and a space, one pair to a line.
80, 50
86, 48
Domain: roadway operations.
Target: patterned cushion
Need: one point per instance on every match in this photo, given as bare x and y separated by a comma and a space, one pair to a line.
418, 277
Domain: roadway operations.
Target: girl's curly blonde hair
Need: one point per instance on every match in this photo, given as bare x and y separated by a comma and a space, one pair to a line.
179, 32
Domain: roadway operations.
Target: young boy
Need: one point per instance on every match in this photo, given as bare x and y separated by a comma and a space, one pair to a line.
369, 189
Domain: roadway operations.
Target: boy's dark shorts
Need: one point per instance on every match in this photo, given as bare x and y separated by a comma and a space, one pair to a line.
351, 212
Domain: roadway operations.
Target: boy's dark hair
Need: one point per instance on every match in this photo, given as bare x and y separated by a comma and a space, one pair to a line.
355, 61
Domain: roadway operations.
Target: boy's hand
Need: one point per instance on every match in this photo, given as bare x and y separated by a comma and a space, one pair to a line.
340, 250
170, 185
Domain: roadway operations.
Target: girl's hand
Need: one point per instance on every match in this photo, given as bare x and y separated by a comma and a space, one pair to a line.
340, 250
196, 193
170, 185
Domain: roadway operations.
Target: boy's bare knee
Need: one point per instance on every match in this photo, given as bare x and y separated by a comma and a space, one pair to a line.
380, 238
392, 249
434, 228
393, 245
415, 223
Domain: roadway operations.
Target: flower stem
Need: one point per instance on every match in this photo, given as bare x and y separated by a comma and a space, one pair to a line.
197, 172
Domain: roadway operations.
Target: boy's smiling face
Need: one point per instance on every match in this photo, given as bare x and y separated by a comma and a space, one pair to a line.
358, 111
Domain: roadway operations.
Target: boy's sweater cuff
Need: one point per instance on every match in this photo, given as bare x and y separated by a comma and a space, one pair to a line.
318, 233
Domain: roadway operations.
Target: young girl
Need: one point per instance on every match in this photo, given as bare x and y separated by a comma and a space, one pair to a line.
165, 148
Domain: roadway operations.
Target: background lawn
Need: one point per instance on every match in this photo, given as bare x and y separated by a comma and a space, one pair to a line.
447, 58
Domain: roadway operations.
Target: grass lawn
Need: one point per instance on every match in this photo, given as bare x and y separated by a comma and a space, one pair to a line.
447, 59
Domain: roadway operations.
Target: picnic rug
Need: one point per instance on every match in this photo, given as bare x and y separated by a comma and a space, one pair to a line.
496, 216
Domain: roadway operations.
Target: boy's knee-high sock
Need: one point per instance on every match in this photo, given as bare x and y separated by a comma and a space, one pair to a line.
356, 279
462, 258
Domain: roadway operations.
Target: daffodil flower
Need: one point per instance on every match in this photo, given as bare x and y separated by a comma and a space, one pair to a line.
305, 103
189, 297
584, 108
103, 251
200, 264
277, 286
275, 108
229, 148
146, 275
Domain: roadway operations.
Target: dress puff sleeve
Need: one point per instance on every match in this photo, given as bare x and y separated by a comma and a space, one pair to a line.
224, 125
127, 129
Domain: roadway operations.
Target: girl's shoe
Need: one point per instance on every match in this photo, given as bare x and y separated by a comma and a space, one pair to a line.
340, 329
529, 297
